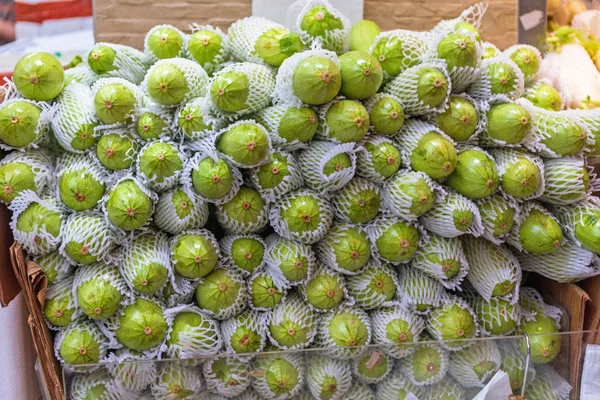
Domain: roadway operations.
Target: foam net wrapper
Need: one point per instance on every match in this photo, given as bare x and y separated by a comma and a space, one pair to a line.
99, 271
142, 100
344, 199
532, 303
129, 63
418, 288
481, 88
472, 15
208, 113
113, 388
81, 74
485, 139
167, 131
323, 270
82, 163
261, 385
125, 367
42, 129
293, 181
364, 159
154, 181
513, 237
373, 355
150, 55
388, 314
219, 59
501, 204
293, 309
395, 201
405, 87
211, 142
406, 365
413, 48
226, 245
462, 363
568, 263
75, 109
187, 378
192, 165
39, 241
535, 86
309, 237
495, 312
360, 286
204, 340
243, 35
510, 51
506, 157
239, 371
312, 161
270, 118
41, 163
547, 380
182, 293
252, 320
325, 249
490, 265
448, 388
130, 155
396, 385
280, 249
513, 360
572, 215
61, 290
446, 249
434, 326
166, 218
440, 219
591, 119
380, 225
195, 77
232, 225
564, 179
320, 368
82, 325
54, 263
278, 286
284, 92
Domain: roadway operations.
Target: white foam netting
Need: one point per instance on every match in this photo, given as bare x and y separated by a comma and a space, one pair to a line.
481, 88
194, 342
262, 381
93, 338
532, 303
98, 272
150, 54
441, 220
232, 225
94, 235
167, 219
392, 316
83, 165
172, 374
434, 323
198, 108
324, 371
382, 225
271, 118
472, 15
81, 74
141, 100
294, 314
538, 55
507, 158
368, 288
182, 293
322, 270
84, 384
55, 266
349, 197
159, 111
243, 35
364, 159
251, 321
238, 375
498, 205
152, 179
216, 63
547, 380
41, 163
131, 370
227, 257
337, 236
483, 353
408, 364
129, 63
8, 90
313, 159
396, 198
397, 385
514, 236
493, 313
566, 180
59, 292
513, 362
43, 126
291, 181
281, 251
447, 388
412, 47
591, 119
419, 291
371, 359
267, 282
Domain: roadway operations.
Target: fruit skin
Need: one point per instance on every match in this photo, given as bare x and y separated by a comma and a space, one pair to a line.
324, 290
276, 44
207, 47
194, 254
142, 325
298, 123
293, 324
101, 59
362, 75
222, 293
458, 50
362, 35
544, 339
387, 115
81, 343
167, 84
497, 215
346, 326
432, 86
212, 179
345, 248
39, 76
346, 121
587, 229
264, 293
15, 177
115, 151
191, 323
502, 77
38, 226
527, 60
452, 322
20, 122
319, 21
99, 296
79, 189
544, 96
460, 120
522, 177
230, 90
164, 42
114, 101
158, 162
434, 155
475, 176
246, 212
566, 136
246, 143
395, 240
508, 122
128, 206
316, 80
539, 233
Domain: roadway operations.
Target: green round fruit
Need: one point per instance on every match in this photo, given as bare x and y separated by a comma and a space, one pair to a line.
498, 213
273, 173
298, 123
489, 51
98, 297
36, 218
508, 122
544, 339
540, 233
246, 143
165, 42
247, 253
230, 90
80, 345
544, 96
465, 28
527, 60
347, 120
150, 126
205, 46
415, 187
246, 336
566, 136
281, 375
101, 59
432, 86
303, 214
167, 84
503, 78
194, 255
292, 324
59, 310
212, 179
362, 75
316, 80
385, 158
84, 138
459, 51
460, 120
128, 206
521, 178
475, 176
358, 205
39, 76
264, 293
79, 189
219, 291
587, 229
15, 177
191, 121
142, 325
426, 363
346, 328
398, 242
115, 151
195, 325
159, 161
362, 35
114, 103
276, 45
325, 290
389, 51
434, 155
454, 322
293, 259
337, 163
491, 322
319, 21
245, 208
351, 247
372, 371
19, 123
387, 116
371, 287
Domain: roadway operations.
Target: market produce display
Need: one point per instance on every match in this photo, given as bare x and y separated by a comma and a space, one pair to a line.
311, 186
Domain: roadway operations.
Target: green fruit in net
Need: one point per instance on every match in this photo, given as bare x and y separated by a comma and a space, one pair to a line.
475, 176
350, 246
372, 367
264, 293
276, 45
540, 233
128, 206
92, 386
15, 177
212, 179
337, 163
282, 375
387, 116
327, 378
193, 325
150, 126
144, 274
389, 51
347, 120
426, 364
385, 158
362, 35
434, 155
59, 309
544, 339
298, 123
398, 329
565, 135
190, 120
293, 324
415, 187
19, 123
452, 322
273, 173
39, 76
183, 205
358, 203
450, 266
362, 75
247, 253
159, 161
205, 46
324, 290
303, 214
245, 210
79, 189
521, 178
503, 78
496, 316
219, 290
489, 52
226, 374
37, 217
246, 143
115, 151
460, 120
165, 42
98, 297
81, 344
544, 96
167, 84
177, 381
446, 389
527, 60
319, 21
246, 334
55, 266
372, 286
398, 242
508, 122
142, 325
194, 255
84, 137
465, 28
230, 90
293, 259
459, 51
497, 213
432, 86
587, 229
114, 103
101, 59
316, 80
347, 329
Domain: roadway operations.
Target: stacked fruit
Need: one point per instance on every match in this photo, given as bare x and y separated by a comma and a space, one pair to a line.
267, 190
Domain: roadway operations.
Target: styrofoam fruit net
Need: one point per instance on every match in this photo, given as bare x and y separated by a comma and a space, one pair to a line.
579, 222
453, 216
36, 223
327, 166
568, 180
81, 181
182, 292
497, 216
420, 292
397, 385
179, 210
119, 61
26, 124
98, 290
247, 212
453, 322
532, 304
116, 113
164, 41
280, 175
116, 151
290, 127
125, 366
55, 266
394, 240
292, 324
301, 215
443, 259
245, 333
175, 379
196, 120
264, 291
279, 376
546, 381
81, 342
325, 290
426, 365
396, 328
222, 294
160, 164
88, 238
499, 75
20, 171
513, 363
60, 306
81, 74
494, 270
320, 24
472, 15
378, 160
289, 262
193, 333
475, 365
328, 377
422, 89
227, 376
408, 194
496, 317
102, 382
536, 230
542, 94
358, 202
371, 368
209, 46
345, 248
527, 57
521, 174
397, 50
374, 286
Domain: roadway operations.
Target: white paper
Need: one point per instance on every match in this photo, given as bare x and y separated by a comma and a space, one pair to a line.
590, 377
498, 388
277, 10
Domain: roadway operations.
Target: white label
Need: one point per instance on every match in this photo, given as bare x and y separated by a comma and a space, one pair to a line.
531, 19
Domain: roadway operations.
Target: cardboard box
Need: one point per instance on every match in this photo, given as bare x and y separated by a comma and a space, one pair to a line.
127, 21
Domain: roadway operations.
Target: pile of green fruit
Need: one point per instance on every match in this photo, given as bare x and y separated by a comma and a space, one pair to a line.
279, 189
